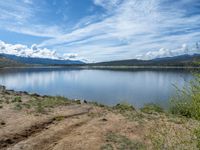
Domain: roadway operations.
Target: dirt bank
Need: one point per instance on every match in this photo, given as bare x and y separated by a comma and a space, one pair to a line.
34, 122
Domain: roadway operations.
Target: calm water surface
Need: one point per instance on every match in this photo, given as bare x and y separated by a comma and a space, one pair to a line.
104, 86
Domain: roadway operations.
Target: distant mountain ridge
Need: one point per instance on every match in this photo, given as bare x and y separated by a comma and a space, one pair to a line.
4, 62
181, 60
39, 61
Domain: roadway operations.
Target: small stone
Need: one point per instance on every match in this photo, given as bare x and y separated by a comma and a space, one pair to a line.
104, 119
3, 123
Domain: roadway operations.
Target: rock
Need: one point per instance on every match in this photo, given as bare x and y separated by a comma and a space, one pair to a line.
2, 123
104, 119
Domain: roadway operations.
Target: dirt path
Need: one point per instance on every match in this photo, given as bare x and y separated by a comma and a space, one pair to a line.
34, 129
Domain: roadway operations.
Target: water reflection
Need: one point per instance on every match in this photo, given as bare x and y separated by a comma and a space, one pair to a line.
105, 86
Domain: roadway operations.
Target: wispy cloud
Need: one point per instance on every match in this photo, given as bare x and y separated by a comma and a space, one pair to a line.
133, 27
125, 29
107, 4
18, 16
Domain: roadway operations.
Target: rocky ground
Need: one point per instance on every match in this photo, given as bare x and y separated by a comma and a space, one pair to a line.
34, 122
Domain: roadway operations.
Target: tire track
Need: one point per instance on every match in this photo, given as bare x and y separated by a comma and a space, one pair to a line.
16, 138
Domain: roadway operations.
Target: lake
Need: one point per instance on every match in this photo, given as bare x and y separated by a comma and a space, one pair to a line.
110, 87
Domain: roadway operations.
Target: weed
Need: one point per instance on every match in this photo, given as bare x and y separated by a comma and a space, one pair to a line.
123, 107
187, 101
17, 99
197, 134
151, 108
59, 118
40, 108
28, 106
18, 106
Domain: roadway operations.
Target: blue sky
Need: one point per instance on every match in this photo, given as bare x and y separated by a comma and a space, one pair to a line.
101, 30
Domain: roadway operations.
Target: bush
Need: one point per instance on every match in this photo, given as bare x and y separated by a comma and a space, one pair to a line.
124, 107
17, 99
197, 134
18, 106
40, 108
151, 108
187, 100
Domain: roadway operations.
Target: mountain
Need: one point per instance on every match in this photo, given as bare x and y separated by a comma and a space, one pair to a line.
182, 60
5, 62
39, 61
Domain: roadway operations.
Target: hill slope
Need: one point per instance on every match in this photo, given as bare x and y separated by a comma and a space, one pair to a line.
40, 61
182, 60
5, 62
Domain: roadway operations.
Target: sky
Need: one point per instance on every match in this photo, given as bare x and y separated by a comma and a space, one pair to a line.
99, 30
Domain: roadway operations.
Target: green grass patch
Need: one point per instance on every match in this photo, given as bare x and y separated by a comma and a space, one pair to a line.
97, 104
17, 99
123, 107
28, 106
41, 105
59, 118
121, 142
151, 108
18, 106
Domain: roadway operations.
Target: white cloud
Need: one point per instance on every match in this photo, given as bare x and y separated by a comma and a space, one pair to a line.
126, 29
134, 27
163, 52
34, 51
70, 55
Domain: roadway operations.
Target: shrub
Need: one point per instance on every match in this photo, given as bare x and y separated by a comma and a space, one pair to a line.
40, 108
151, 108
187, 100
28, 106
122, 107
18, 106
97, 104
197, 134
17, 99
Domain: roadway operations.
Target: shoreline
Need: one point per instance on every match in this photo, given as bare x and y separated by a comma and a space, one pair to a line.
103, 67
35, 122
